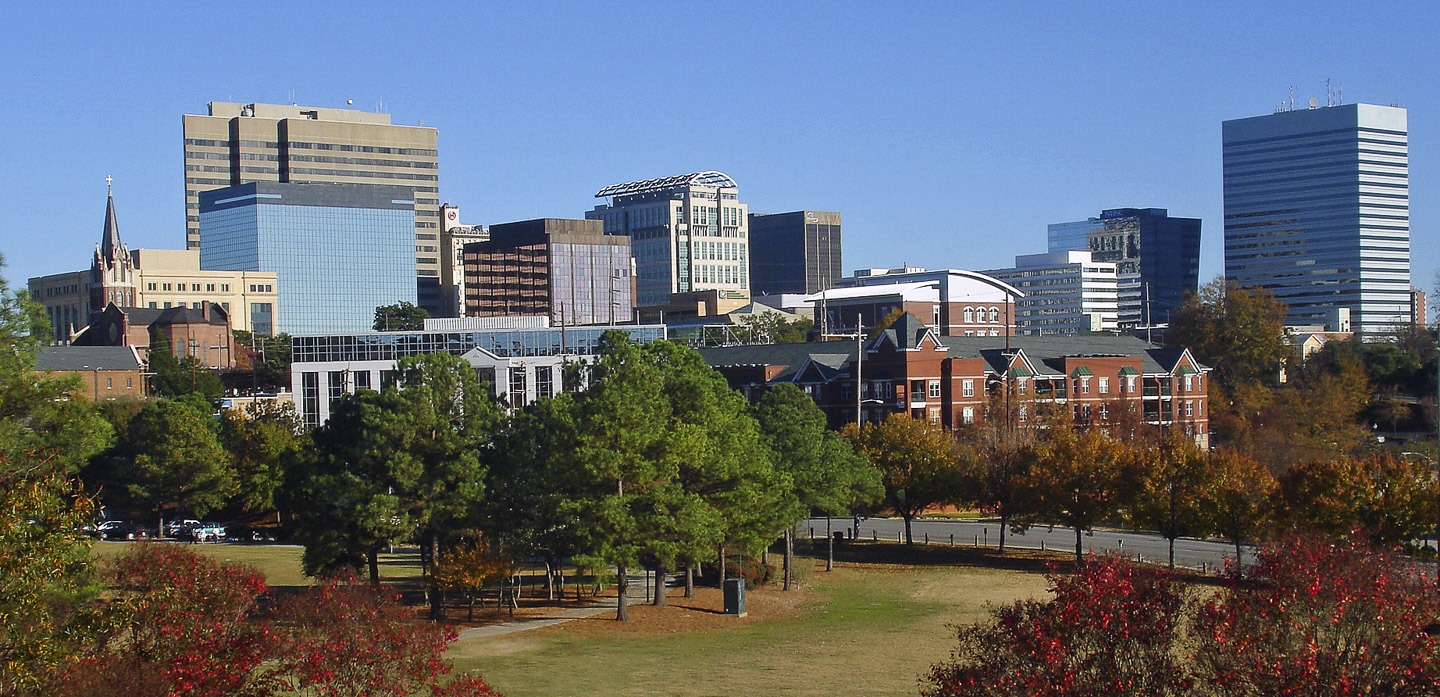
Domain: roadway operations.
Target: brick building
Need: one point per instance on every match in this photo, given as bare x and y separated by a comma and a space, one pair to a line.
108, 372
910, 368
202, 332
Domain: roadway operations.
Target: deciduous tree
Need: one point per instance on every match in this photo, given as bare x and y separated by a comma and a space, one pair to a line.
1238, 331
917, 463
263, 440
1238, 495
47, 433
402, 316
1080, 478
1170, 496
1323, 618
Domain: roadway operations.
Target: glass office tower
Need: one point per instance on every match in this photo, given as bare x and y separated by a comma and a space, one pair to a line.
339, 250
1156, 258
1317, 210
795, 252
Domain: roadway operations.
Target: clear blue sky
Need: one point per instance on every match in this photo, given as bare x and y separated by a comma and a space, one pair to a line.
949, 134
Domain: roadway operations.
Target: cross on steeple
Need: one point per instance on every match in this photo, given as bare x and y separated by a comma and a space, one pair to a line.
108, 179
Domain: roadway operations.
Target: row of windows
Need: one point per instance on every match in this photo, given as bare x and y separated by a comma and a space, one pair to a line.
363, 174
978, 314
194, 305
420, 164
194, 287
418, 152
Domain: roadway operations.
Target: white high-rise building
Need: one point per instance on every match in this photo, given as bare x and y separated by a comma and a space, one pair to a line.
1065, 293
688, 233
1317, 210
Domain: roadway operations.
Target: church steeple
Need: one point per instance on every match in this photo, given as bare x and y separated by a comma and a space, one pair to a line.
110, 244
112, 273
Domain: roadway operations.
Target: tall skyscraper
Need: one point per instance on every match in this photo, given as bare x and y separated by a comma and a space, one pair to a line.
241, 143
1317, 210
338, 250
796, 252
567, 270
688, 233
1156, 258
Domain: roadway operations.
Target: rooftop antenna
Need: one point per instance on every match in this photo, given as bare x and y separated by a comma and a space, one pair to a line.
1292, 91
1329, 92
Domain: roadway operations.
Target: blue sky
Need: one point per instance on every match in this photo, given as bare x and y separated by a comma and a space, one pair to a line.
949, 134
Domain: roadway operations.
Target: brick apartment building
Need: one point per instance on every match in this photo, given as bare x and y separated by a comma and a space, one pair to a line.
910, 368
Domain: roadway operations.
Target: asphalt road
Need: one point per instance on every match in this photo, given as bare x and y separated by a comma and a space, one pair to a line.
1190, 553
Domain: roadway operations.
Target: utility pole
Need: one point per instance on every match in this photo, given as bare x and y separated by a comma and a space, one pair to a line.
859, 369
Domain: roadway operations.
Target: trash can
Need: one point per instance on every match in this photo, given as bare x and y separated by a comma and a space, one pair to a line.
735, 596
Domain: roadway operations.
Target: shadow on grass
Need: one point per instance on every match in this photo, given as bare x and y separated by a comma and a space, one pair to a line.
1025, 560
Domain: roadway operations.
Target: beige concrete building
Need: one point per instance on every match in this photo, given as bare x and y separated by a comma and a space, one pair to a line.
457, 235
172, 278
688, 233
240, 143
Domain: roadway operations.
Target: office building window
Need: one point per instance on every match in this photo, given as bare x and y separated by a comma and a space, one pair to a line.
517, 386
362, 379
544, 381
310, 397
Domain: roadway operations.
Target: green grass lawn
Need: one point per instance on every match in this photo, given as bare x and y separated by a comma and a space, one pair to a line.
868, 629
279, 563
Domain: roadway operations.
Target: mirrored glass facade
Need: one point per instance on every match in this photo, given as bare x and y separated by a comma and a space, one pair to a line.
1317, 210
339, 250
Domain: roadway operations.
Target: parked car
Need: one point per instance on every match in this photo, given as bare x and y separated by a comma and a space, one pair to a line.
121, 530
180, 527
208, 532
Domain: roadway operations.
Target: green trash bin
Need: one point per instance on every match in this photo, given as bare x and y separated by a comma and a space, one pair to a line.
735, 596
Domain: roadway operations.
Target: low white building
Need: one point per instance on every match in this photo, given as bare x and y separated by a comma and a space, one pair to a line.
522, 359
1065, 293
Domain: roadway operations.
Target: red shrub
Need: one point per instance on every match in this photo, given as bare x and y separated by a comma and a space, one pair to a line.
1324, 618
1111, 629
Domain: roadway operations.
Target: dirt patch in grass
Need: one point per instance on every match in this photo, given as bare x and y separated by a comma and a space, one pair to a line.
702, 612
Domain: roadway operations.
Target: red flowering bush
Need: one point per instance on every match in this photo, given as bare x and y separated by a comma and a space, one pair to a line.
1312, 617
180, 626
186, 625
1323, 618
1111, 629
345, 639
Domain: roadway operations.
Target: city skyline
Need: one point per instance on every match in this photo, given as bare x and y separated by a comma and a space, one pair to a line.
948, 137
